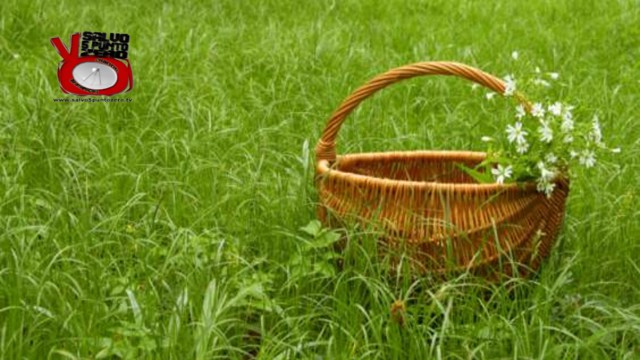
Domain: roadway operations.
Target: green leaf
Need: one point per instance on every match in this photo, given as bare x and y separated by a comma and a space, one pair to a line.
324, 269
325, 239
481, 177
312, 228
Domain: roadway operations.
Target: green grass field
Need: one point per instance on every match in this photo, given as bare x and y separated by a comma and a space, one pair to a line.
169, 227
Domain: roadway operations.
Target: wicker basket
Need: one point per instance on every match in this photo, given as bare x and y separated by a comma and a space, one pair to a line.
421, 202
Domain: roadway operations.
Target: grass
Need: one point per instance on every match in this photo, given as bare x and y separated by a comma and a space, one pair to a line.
169, 227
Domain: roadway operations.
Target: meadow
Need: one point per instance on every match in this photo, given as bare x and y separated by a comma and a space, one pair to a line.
181, 225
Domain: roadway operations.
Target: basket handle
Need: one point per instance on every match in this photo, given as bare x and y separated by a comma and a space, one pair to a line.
326, 147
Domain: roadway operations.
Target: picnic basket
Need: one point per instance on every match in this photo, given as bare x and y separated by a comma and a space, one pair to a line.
423, 203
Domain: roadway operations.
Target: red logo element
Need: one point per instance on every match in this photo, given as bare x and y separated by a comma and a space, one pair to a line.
91, 75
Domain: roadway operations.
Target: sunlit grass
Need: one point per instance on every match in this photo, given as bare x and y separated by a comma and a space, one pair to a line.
170, 227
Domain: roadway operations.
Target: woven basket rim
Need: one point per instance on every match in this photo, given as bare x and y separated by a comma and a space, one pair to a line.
324, 169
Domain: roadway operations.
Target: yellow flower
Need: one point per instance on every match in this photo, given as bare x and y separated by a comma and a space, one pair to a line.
130, 229
398, 309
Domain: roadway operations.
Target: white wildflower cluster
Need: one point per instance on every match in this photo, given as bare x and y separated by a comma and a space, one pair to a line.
544, 140
541, 78
545, 182
509, 85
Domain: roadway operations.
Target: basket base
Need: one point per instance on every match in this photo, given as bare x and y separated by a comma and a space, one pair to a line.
449, 227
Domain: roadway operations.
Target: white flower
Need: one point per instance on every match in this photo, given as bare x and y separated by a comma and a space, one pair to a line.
537, 70
567, 120
516, 133
515, 55
522, 147
541, 82
554, 75
487, 139
596, 132
551, 158
568, 139
501, 173
555, 109
546, 134
587, 158
509, 85
474, 86
490, 96
546, 187
545, 174
520, 111
573, 154
544, 183
537, 110
616, 150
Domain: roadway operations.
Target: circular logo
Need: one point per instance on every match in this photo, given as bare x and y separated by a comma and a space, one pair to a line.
94, 75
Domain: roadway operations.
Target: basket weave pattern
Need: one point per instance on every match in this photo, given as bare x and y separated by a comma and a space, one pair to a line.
421, 201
